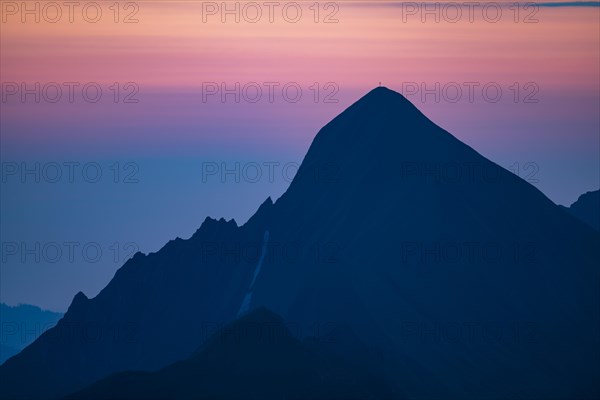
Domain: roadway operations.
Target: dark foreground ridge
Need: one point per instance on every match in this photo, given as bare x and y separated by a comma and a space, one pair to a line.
256, 357
458, 278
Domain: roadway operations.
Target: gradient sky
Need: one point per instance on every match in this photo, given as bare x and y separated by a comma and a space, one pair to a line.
164, 139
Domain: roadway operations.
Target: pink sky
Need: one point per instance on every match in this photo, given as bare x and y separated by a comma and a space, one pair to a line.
170, 52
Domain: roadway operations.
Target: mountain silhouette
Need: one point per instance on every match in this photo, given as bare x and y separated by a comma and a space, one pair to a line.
467, 280
587, 209
255, 357
154, 311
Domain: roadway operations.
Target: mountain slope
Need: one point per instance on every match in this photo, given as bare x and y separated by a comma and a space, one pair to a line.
152, 313
256, 357
587, 209
429, 237
470, 282
21, 325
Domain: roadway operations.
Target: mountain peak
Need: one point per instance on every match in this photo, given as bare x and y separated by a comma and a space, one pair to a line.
80, 297
380, 109
384, 96
381, 91
365, 142
78, 302
587, 209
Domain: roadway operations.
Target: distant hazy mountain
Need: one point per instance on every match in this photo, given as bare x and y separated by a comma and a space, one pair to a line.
587, 209
467, 280
21, 325
256, 357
